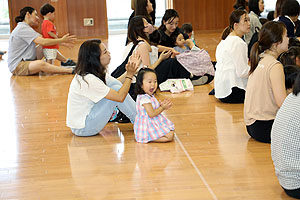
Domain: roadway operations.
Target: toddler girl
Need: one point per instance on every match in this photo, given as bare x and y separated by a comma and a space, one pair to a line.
150, 124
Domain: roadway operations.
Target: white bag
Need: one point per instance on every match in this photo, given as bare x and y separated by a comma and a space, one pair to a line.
176, 85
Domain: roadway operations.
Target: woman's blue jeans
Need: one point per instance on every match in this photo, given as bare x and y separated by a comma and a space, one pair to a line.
102, 111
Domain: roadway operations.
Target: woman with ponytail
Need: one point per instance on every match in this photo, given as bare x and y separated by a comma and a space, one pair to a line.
232, 61
22, 51
266, 84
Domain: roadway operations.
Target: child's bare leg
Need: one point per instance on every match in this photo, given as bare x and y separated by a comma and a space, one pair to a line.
50, 61
60, 57
166, 138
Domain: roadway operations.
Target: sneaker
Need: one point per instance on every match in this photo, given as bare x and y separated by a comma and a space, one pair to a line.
69, 62
200, 81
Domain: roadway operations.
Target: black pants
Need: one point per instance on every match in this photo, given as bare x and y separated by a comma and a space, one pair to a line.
261, 130
170, 68
237, 96
293, 193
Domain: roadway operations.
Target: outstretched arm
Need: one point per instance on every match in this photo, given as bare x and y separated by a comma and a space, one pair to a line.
120, 95
48, 42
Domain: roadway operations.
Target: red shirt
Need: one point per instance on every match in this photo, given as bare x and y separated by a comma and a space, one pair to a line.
48, 26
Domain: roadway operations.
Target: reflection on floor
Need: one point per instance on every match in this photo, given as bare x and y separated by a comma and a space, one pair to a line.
212, 156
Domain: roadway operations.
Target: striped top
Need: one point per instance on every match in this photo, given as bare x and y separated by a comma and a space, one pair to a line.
285, 143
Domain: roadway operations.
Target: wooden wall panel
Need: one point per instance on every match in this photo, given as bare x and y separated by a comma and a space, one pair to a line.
79, 9
69, 15
205, 15
61, 21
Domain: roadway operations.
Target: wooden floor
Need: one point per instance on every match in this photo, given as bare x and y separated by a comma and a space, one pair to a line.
212, 156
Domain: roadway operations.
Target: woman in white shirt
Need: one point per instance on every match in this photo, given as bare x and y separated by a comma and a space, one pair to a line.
94, 94
232, 61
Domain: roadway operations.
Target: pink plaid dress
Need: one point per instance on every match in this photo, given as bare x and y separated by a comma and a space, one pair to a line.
147, 129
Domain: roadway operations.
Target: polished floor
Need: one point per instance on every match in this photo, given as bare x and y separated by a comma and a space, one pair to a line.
212, 156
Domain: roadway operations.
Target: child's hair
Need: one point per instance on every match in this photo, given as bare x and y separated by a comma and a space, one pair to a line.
140, 78
23, 12
187, 28
175, 35
46, 8
235, 17
290, 72
253, 6
294, 42
136, 29
89, 60
141, 9
270, 15
289, 57
154, 38
170, 15
296, 86
240, 4
270, 33
290, 8
263, 20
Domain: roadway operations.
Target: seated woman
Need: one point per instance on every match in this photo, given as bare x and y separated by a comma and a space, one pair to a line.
255, 8
164, 66
145, 8
232, 62
22, 53
265, 90
94, 94
285, 142
169, 25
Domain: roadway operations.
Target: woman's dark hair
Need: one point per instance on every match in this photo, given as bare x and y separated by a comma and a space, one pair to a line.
140, 78
154, 38
136, 29
290, 8
289, 57
188, 28
254, 7
46, 8
89, 60
270, 33
23, 12
170, 15
290, 72
296, 87
240, 4
141, 9
235, 17
278, 8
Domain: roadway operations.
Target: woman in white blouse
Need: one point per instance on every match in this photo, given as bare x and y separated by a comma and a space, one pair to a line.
232, 61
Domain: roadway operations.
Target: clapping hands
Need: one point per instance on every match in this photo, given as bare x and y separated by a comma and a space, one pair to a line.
166, 104
133, 63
